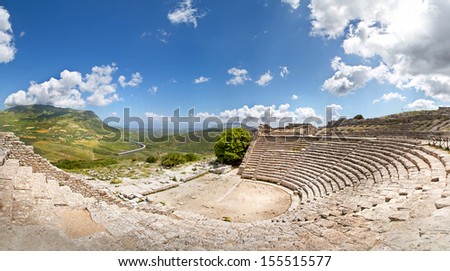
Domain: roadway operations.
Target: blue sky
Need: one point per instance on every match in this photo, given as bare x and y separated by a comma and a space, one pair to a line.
226, 58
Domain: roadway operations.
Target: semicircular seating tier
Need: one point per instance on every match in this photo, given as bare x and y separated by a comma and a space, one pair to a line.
316, 167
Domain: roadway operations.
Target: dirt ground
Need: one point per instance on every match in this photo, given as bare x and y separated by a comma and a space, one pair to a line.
78, 223
227, 197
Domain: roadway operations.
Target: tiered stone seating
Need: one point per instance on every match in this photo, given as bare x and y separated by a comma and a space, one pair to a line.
269, 156
440, 126
323, 168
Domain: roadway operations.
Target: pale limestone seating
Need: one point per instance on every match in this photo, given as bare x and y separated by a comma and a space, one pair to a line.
247, 174
399, 155
368, 168
314, 187
371, 159
305, 192
399, 162
311, 177
338, 178
325, 168
422, 155
440, 126
328, 149
336, 185
445, 160
318, 170
353, 171
269, 155
420, 164
387, 160
434, 161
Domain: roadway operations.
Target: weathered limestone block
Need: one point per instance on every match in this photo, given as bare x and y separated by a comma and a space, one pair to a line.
442, 203
400, 216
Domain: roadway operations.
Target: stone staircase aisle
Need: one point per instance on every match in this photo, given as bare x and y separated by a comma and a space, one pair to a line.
34, 211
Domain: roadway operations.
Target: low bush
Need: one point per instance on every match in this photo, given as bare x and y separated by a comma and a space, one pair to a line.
174, 159
191, 157
152, 159
83, 164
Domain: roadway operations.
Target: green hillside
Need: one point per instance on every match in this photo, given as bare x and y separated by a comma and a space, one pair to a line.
61, 133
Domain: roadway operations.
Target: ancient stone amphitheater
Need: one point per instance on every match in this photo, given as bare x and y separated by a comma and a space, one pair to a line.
353, 193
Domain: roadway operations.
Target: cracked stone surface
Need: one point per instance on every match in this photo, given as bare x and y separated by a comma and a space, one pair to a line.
38, 211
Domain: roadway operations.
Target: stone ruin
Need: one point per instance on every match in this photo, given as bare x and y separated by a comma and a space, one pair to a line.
352, 194
417, 124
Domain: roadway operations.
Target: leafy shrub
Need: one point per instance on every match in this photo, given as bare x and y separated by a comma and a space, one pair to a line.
172, 159
152, 159
83, 164
232, 145
358, 117
191, 157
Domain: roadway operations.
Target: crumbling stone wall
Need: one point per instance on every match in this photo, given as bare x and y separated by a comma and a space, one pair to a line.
17, 149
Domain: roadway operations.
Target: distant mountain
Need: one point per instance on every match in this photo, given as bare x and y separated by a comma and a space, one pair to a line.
50, 121
60, 133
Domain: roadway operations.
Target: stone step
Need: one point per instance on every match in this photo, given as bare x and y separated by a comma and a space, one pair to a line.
3, 156
22, 178
56, 193
39, 186
23, 203
11, 163
6, 200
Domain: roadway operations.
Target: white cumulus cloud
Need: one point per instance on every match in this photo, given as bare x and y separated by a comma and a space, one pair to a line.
348, 78
422, 104
240, 76
389, 97
295, 4
280, 113
153, 115
7, 47
136, 80
264, 79
294, 97
185, 13
70, 90
407, 36
284, 72
153, 89
201, 80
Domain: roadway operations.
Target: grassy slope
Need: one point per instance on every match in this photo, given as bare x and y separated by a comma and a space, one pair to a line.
59, 133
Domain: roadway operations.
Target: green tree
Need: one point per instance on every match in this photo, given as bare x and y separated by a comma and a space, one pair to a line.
358, 117
232, 145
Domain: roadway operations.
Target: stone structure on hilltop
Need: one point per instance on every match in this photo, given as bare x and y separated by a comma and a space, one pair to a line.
417, 124
292, 129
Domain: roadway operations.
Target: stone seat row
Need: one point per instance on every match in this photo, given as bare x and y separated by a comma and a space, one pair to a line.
325, 168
